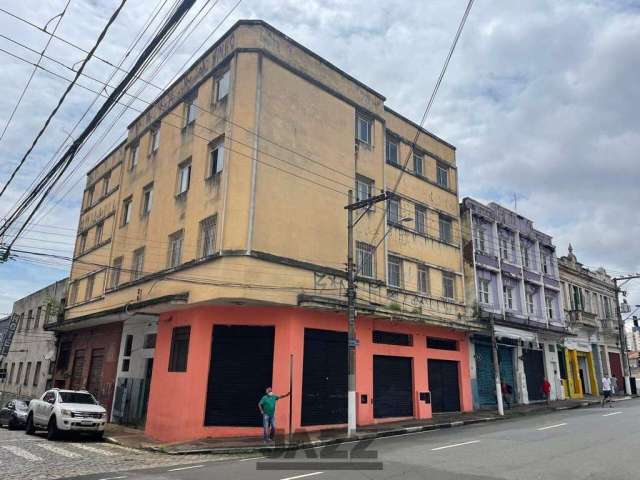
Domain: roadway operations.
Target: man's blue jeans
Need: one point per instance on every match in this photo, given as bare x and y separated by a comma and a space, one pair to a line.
268, 423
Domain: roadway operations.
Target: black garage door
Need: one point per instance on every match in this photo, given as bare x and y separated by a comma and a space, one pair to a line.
324, 377
392, 387
240, 370
534, 372
444, 385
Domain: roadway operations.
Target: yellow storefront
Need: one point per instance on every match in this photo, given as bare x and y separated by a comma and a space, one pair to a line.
581, 373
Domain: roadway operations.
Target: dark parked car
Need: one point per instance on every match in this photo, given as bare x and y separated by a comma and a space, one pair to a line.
14, 414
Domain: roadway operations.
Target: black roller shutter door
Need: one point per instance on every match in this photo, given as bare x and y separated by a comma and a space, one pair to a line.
241, 368
324, 377
534, 372
444, 385
392, 387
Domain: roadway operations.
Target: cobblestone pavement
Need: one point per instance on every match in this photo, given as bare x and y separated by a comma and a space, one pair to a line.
27, 457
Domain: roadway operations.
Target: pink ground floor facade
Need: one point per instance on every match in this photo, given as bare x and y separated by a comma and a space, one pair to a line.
212, 364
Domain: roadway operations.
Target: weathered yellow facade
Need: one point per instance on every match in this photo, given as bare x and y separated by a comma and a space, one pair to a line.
291, 151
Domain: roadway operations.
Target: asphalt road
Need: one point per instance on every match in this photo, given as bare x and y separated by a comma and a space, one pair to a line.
592, 443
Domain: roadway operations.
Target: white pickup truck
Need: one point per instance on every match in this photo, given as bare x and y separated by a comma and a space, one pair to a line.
66, 410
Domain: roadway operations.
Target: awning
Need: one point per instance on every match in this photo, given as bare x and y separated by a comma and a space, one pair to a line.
572, 344
515, 334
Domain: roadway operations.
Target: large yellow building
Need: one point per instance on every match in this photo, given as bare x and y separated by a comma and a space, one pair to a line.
221, 219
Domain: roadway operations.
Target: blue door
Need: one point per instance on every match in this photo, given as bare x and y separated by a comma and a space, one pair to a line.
484, 371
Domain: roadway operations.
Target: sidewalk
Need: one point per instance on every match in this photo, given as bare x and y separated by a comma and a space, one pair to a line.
135, 438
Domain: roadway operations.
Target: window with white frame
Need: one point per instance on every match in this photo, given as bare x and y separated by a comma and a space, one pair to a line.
190, 112
446, 229
207, 244
147, 200
116, 269
184, 177
484, 291
365, 260
481, 239
394, 271
216, 158
175, 249
418, 163
544, 261
524, 251
363, 128
423, 279
531, 303
154, 140
504, 248
508, 297
137, 264
442, 174
393, 150
421, 219
222, 86
133, 156
364, 188
393, 210
548, 301
126, 211
448, 285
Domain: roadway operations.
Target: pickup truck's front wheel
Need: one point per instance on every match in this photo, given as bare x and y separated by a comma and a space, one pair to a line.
52, 429
30, 429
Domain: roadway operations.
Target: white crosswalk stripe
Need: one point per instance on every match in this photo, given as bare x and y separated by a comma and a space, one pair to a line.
58, 450
22, 453
121, 447
93, 449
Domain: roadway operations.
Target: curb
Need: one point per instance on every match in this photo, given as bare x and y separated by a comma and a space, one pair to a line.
361, 437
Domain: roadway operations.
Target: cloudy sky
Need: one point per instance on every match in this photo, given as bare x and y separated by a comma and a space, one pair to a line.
540, 98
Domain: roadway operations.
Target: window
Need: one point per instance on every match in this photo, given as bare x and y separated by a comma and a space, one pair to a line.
442, 176
363, 129
13, 366
544, 260
393, 148
508, 297
526, 260
184, 177
484, 291
446, 229
116, 268
179, 349
175, 249
190, 112
36, 324
125, 364
36, 374
418, 163
29, 318
392, 338
222, 86
365, 260
82, 246
216, 159
154, 140
548, 301
448, 285
88, 293
21, 321
423, 279
133, 156
364, 188
90, 191
421, 219
149, 341
442, 343
504, 248
128, 345
394, 266
531, 305
147, 200
105, 184
393, 210
19, 376
27, 373
64, 356
99, 230
126, 211
73, 293
207, 243
481, 240
137, 264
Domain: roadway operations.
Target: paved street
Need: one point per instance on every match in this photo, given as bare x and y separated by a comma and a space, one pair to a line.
578, 444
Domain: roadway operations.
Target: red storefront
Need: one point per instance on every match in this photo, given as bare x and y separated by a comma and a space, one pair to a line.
215, 362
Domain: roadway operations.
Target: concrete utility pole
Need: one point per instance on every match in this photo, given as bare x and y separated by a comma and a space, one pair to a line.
351, 304
496, 365
623, 337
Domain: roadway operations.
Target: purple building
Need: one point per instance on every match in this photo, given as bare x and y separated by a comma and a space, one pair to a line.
511, 273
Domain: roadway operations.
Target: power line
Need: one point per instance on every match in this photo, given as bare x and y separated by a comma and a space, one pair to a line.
64, 94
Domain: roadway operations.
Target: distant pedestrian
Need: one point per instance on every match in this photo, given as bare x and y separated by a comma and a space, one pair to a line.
606, 391
614, 384
267, 407
546, 390
507, 393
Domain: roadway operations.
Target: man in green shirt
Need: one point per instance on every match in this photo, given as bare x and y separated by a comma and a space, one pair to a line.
267, 406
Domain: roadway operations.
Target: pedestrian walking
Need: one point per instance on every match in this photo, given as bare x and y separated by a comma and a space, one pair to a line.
546, 390
606, 391
507, 392
614, 384
267, 407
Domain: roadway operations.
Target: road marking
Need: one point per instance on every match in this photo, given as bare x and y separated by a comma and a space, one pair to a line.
454, 445
22, 453
551, 426
303, 476
112, 478
609, 414
93, 449
58, 450
120, 447
184, 468
252, 458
